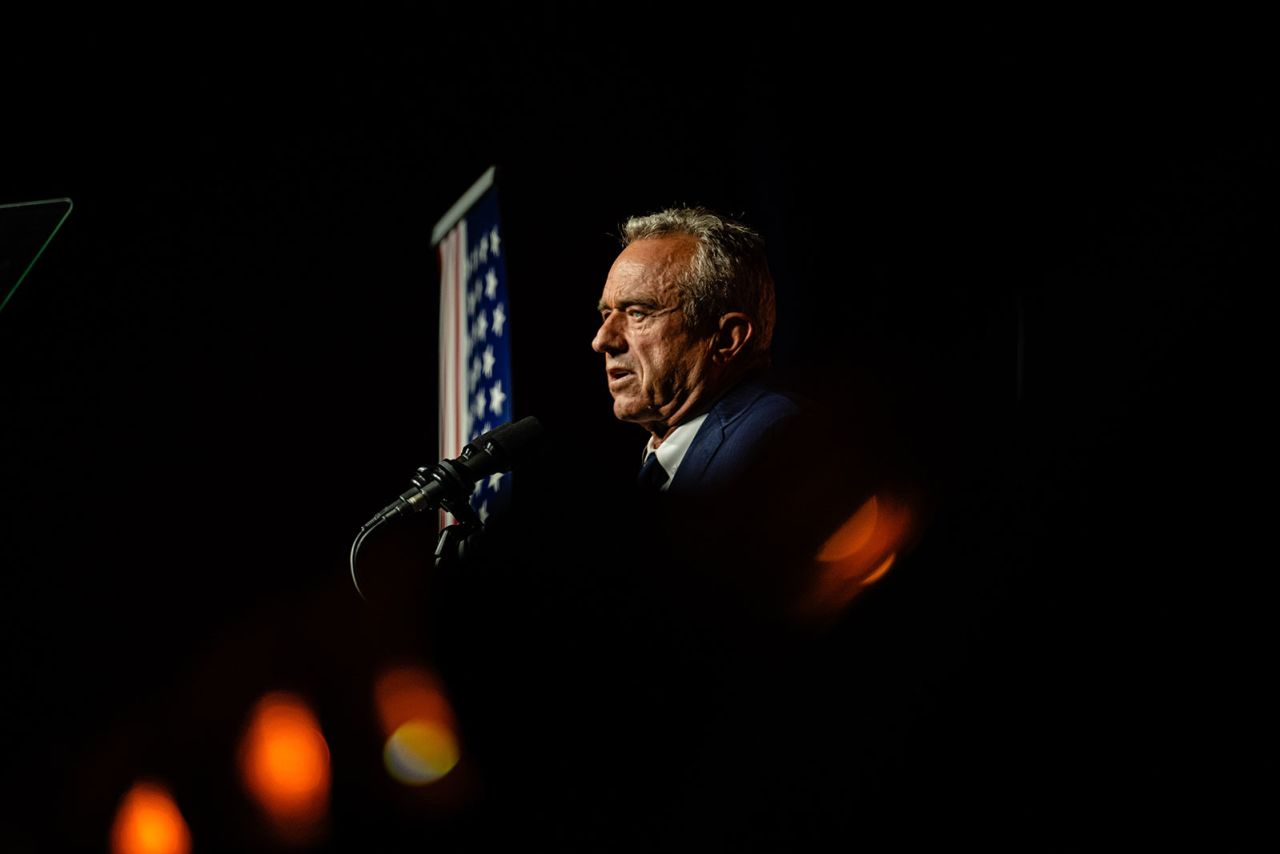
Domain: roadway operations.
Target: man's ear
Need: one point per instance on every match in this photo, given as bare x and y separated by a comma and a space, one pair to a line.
732, 336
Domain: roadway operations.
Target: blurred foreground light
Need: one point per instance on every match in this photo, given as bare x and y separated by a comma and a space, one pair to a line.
284, 762
420, 752
149, 822
858, 553
421, 746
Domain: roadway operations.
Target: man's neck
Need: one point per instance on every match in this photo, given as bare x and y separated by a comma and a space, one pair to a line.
659, 432
690, 408
696, 406
662, 430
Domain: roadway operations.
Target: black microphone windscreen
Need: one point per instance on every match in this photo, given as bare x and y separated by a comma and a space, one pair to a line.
518, 437
506, 445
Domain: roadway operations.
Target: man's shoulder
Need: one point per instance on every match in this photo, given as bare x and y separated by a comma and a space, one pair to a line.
757, 397
756, 404
753, 421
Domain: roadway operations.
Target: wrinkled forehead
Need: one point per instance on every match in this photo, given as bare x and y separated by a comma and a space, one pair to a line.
648, 271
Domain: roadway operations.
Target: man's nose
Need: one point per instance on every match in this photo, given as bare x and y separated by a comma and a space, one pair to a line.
609, 337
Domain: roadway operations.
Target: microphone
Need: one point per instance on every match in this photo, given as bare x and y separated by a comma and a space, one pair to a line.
448, 483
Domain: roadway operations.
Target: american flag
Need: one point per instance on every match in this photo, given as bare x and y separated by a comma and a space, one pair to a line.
475, 336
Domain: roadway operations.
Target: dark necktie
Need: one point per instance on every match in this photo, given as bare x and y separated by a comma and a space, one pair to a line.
652, 475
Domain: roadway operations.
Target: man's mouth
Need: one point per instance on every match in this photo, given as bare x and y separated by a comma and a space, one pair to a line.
617, 375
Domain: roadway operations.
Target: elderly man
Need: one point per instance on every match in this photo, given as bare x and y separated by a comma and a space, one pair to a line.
686, 319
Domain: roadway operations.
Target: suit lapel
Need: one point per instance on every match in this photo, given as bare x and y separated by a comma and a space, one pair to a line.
693, 468
698, 457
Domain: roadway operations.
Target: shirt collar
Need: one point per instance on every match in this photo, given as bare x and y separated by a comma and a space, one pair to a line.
674, 447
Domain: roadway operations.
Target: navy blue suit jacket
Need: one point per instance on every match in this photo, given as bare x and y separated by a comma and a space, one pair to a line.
763, 483
742, 427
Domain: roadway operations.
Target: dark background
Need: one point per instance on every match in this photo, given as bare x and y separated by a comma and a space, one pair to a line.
1022, 260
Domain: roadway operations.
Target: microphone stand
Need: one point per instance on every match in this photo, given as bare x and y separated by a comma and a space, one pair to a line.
448, 485
452, 539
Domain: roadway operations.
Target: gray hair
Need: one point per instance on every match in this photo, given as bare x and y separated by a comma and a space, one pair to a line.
728, 272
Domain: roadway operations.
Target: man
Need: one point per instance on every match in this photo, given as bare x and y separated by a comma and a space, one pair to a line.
756, 479
686, 319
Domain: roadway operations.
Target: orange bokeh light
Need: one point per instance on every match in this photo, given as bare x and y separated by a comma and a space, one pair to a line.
284, 762
854, 535
420, 752
421, 746
410, 692
858, 554
149, 822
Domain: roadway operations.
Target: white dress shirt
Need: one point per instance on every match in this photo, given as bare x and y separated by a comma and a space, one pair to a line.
673, 448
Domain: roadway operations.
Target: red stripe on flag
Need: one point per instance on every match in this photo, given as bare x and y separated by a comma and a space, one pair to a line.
457, 343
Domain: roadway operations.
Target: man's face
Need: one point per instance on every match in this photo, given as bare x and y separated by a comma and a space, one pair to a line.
657, 368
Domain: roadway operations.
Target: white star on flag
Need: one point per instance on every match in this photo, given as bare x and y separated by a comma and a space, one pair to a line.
493, 240
479, 410
496, 398
488, 354
482, 325
483, 246
491, 284
495, 479
499, 319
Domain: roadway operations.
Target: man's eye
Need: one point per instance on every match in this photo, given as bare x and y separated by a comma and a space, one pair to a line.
635, 314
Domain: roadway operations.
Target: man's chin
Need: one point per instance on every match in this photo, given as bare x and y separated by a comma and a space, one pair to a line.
632, 414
